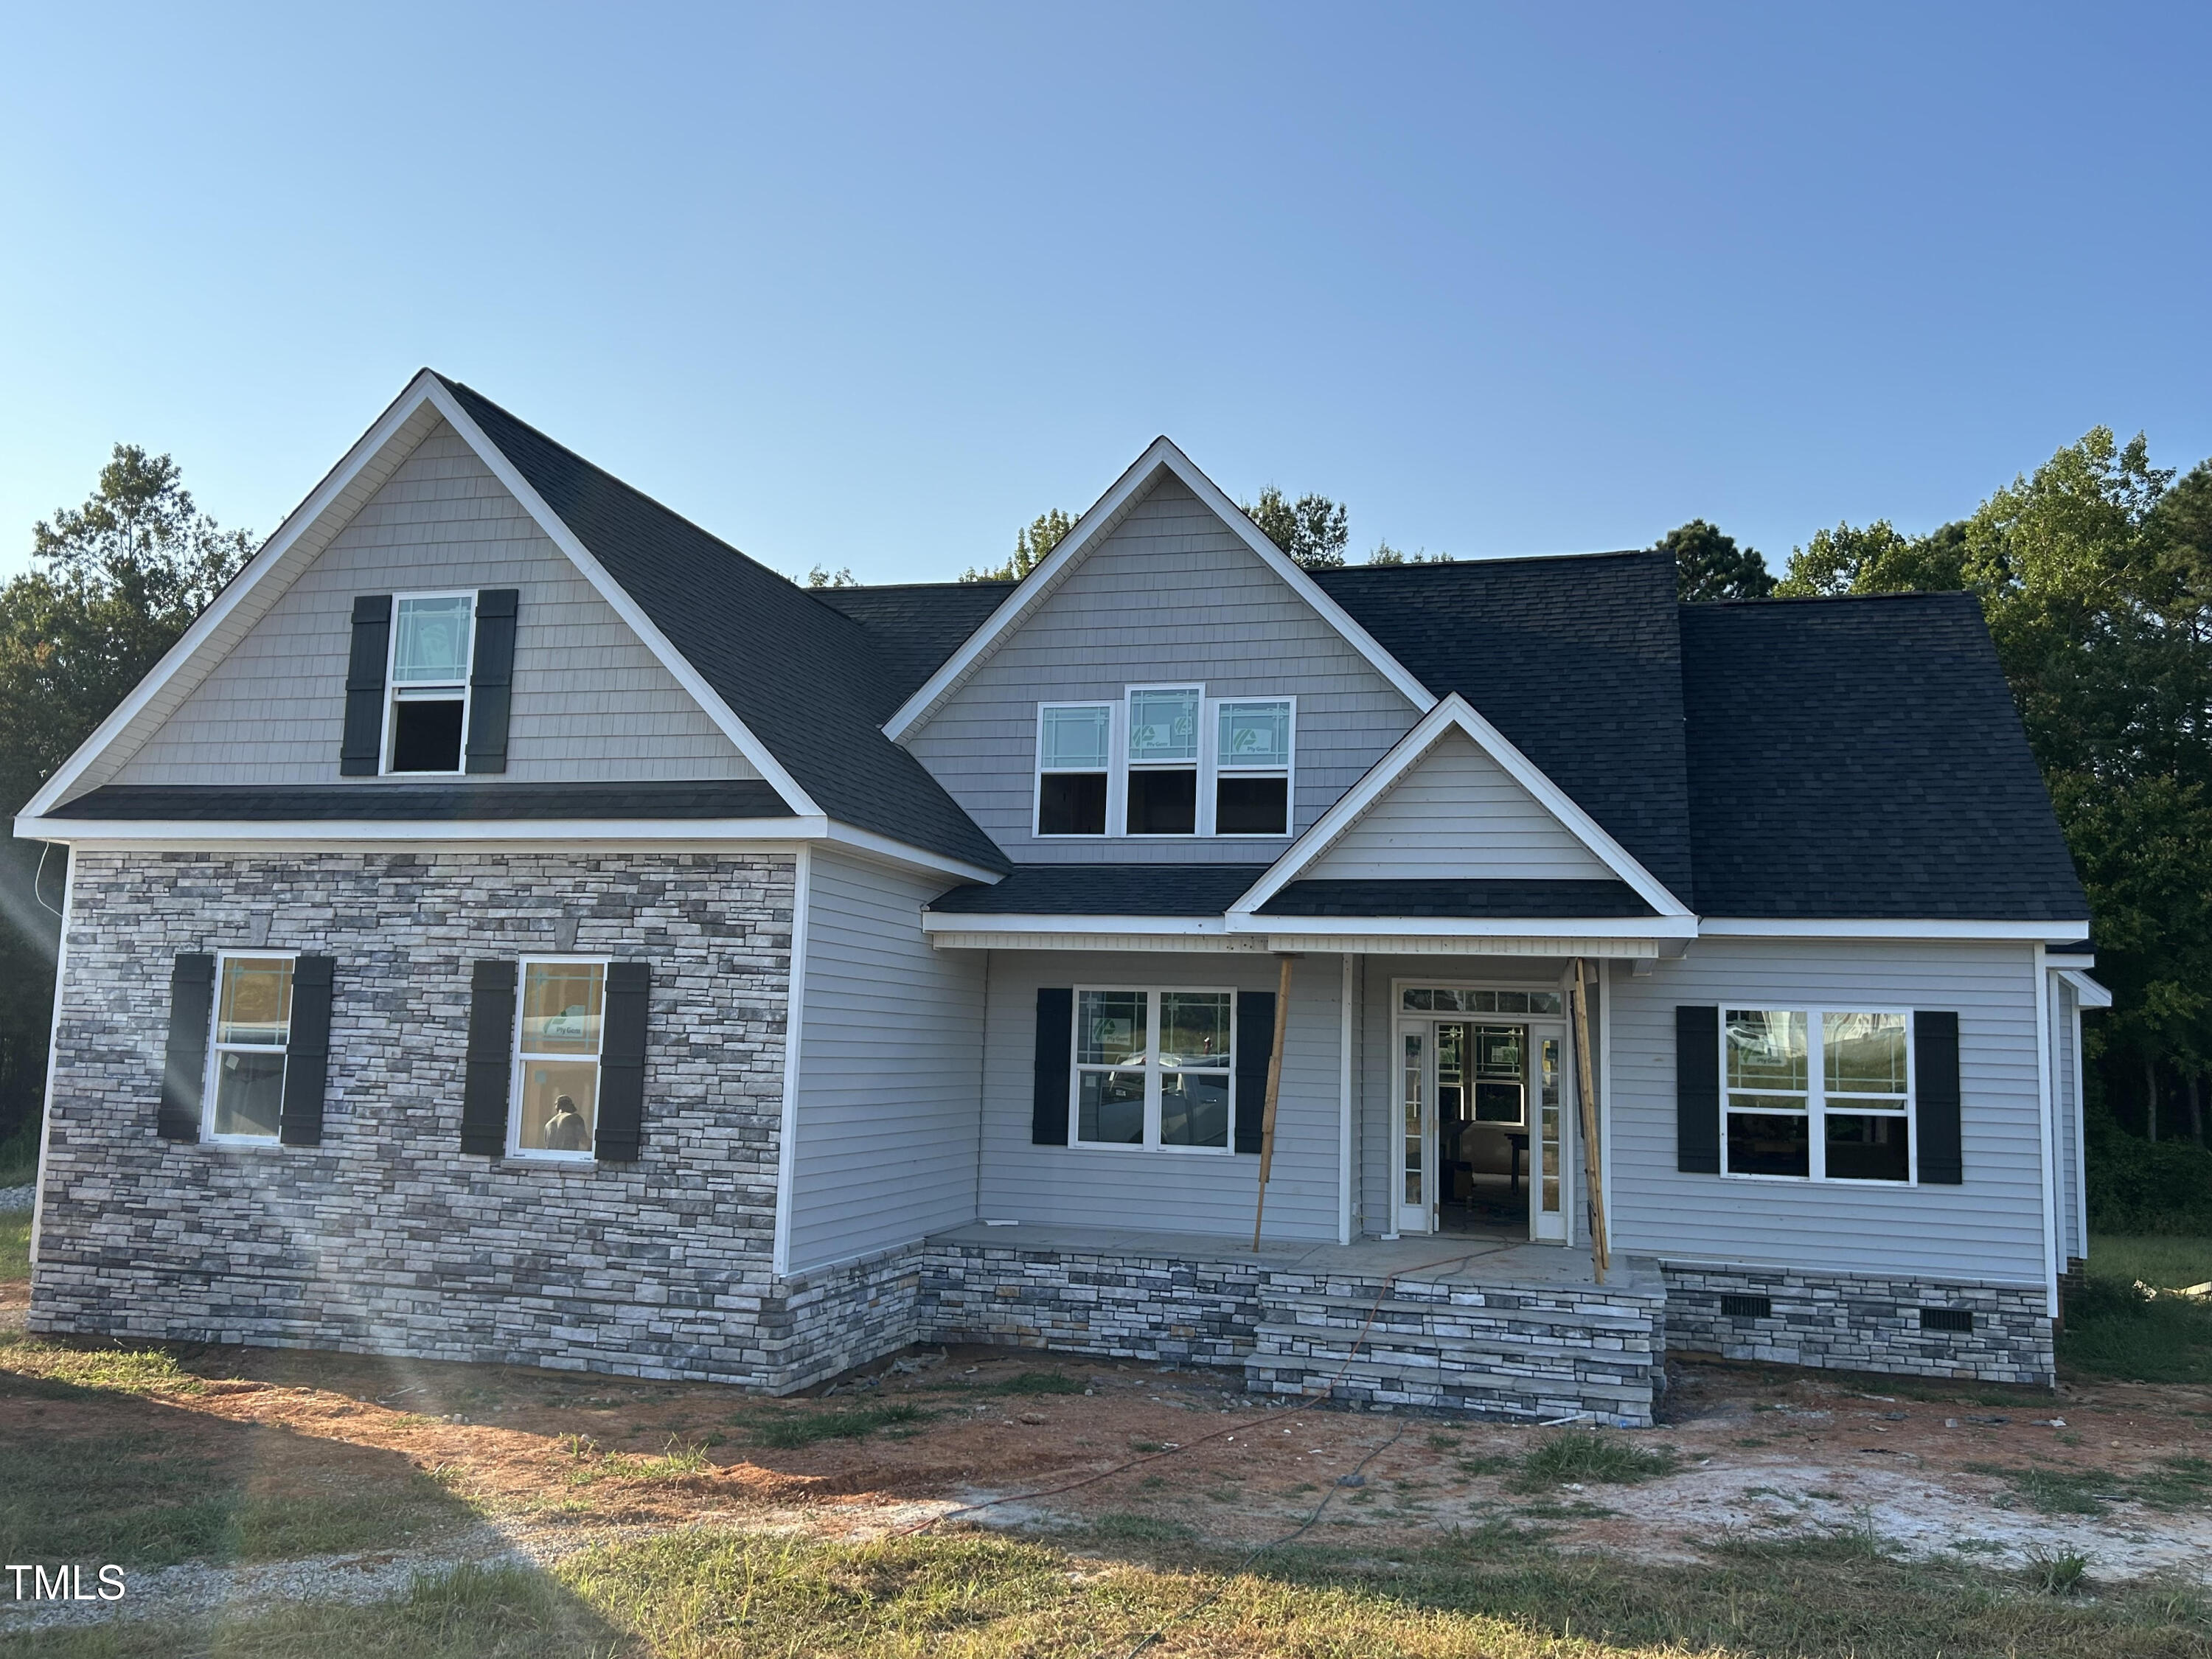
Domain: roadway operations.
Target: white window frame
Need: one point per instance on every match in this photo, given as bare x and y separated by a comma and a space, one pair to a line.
1210, 783
216, 1050
518, 1057
391, 687
1207, 766
1818, 1107
1153, 1072
1039, 769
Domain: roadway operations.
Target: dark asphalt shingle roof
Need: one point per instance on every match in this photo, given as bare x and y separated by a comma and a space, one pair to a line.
913, 627
1862, 757
805, 677
1577, 660
1107, 889
1529, 900
730, 798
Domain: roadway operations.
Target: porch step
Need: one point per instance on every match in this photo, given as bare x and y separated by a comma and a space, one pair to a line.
1512, 1352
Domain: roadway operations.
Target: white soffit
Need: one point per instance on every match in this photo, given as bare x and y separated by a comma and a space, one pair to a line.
1090, 531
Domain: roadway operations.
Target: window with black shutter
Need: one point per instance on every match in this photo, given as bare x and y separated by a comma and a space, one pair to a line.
1053, 1079
486, 1085
183, 1062
307, 1055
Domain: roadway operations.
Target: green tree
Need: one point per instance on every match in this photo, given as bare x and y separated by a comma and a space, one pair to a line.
1312, 530
1032, 543
1878, 558
1708, 565
112, 585
1386, 554
821, 577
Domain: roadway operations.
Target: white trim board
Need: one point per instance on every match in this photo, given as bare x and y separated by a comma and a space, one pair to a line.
2087, 994
1454, 712
1161, 455
1852, 927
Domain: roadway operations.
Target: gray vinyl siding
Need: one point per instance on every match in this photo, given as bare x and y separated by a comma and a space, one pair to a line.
1179, 1192
890, 1057
1990, 1228
1377, 1127
1171, 596
591, 702
1458, 813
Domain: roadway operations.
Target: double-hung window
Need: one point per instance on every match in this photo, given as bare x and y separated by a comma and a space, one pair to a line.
1163, 785
558, 1040
1165, 761
1252, 769
1075, 757
1819, 1094
1153, 1069
433, 635
253, 1031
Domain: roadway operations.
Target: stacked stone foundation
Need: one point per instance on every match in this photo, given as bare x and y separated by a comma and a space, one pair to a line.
1862, 1323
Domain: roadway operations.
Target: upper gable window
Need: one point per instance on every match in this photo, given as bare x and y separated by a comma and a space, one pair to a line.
1165, 761
1163, 732
427, 711
1075, 754
1252, 769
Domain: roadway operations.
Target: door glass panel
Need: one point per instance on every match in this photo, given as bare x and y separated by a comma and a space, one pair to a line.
1549, 1108
1413, 1064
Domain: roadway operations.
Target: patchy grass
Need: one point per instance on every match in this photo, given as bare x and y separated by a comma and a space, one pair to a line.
1590, 1459
2173, 1483
786, 1431
14, 1245
2163, 1263
35, 1365
2112, 1329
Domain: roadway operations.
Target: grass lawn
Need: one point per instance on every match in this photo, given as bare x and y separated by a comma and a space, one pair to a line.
2113, 1330
1493, 1593
14, 1246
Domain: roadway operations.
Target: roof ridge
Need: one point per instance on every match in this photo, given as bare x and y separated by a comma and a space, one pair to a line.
1778, 599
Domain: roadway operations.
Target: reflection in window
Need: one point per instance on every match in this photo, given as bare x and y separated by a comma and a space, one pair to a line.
253, 1026
1074, 752
1826, 1096
430, 645
557, 1045
1154, 1068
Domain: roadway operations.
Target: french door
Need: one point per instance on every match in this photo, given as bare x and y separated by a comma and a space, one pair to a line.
1513, 1076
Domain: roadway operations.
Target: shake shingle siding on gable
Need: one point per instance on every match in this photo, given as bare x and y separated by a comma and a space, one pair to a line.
1863, 758
1171, 596
799, 674
590, 702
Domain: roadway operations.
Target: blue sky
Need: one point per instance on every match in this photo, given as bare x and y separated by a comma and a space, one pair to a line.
872, 287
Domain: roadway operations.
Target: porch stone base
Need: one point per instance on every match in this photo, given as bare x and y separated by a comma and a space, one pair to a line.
1128, 1307
1843, 1322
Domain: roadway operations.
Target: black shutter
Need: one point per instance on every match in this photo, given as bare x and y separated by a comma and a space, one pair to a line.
491, 680
621, 1062
491, 1050
308, 1054
1936, 1089
1697, 1091
1255, 1043
184, 1065
361, 751
1055, 1036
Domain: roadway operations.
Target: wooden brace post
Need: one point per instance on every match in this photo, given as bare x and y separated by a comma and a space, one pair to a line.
1593, 1174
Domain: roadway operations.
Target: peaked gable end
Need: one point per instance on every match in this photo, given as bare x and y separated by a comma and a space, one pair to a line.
590, 702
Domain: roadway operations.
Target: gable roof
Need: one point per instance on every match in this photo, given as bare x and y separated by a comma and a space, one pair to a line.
1575, 661
1454, 713
800, 674
913, 627
1861, 757
1160, 458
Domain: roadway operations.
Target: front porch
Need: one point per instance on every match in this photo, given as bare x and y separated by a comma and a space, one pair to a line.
1488, 1326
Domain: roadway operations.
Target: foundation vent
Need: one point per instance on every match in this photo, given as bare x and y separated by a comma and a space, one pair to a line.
1746, 1307
1947, 1319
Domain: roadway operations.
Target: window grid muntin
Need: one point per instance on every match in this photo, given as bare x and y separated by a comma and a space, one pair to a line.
524, 1057
212, 1082
1047, 768
454, 690
1147, 1060
1820, 1106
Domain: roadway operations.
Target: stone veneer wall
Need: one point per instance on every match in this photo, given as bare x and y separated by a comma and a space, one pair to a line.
1847, 1322
1191, 1312
385, 1238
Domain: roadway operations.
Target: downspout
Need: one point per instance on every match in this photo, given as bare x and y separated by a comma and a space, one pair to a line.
2049, 1124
